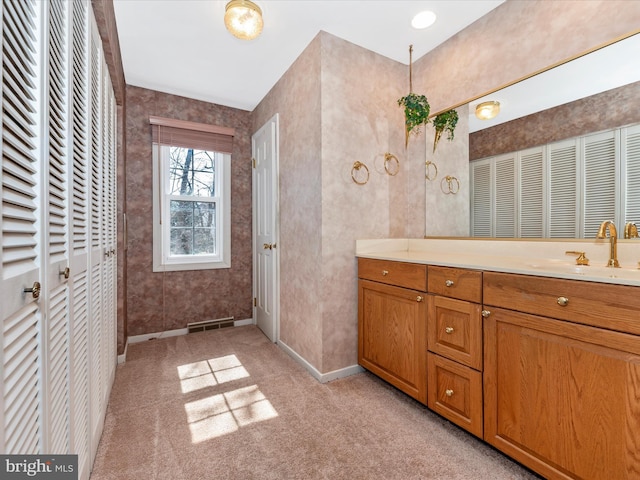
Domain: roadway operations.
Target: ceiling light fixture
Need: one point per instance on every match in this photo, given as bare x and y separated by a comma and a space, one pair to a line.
423, 20
243, 19
487, 110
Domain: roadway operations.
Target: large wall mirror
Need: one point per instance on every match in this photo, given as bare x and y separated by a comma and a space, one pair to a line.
586, 106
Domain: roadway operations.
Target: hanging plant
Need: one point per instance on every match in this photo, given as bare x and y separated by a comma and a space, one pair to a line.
416, 113
446, 121
416, 107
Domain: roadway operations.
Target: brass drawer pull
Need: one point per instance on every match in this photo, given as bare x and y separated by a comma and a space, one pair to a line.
486, 313
385, 272
419, 298
563, 301
449, 283
448, 330
448, 392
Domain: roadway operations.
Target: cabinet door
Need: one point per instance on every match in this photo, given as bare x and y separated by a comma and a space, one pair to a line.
392, 339
562, 398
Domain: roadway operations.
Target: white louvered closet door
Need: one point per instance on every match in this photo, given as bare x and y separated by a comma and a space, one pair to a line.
481, 198
22, 218
531, 193
56, 324
96, 249
79, 239
600, 181
563, 189
631, 166
505, 200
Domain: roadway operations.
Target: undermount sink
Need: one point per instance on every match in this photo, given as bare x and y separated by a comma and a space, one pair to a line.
586, 270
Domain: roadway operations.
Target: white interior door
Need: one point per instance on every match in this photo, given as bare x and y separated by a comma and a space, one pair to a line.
265, 228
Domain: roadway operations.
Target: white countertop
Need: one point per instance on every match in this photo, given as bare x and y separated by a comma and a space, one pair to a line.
546, 258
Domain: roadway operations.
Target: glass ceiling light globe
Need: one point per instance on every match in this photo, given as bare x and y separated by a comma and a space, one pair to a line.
243, 19
487, 110
423, 20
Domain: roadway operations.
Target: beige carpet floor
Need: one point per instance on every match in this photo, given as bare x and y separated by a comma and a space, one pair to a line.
228, 404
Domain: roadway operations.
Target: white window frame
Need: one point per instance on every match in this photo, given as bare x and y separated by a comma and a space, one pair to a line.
162, 260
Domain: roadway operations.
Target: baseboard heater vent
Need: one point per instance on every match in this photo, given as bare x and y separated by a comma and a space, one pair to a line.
210, 324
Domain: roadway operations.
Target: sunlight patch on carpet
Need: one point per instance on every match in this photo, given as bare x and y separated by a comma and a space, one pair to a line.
209, 373
227, 412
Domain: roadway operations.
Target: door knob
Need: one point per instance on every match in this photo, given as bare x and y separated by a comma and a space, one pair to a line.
64, 273
34, 291
267, 246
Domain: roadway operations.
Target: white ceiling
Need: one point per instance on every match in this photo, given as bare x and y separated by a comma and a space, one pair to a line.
182, 46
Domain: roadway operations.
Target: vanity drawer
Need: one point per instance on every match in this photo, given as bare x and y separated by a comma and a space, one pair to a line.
454, 330
457, 283
455, 392
606, 305
401, 274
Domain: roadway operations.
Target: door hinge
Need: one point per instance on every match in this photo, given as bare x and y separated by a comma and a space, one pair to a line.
255, 302
253, 162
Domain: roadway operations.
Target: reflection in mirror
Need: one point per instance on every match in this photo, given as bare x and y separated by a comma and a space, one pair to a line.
563, 154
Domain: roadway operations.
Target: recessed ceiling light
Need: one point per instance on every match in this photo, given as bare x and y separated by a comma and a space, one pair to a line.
423, 19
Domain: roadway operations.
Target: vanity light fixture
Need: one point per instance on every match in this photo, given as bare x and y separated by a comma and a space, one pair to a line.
423, 20
487, 110
243, 19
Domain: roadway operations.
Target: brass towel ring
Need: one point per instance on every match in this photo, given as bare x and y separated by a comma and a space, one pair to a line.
428, 164
356, 168
452, 185
388, 158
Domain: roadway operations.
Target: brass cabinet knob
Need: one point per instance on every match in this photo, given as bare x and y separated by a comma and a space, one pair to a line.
385, 272
449, 283
419, 298
563, 301
448, 330
65, 273
448, 392
34, 291
486, 313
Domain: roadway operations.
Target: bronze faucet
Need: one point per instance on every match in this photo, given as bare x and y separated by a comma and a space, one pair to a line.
630, 230
613, 238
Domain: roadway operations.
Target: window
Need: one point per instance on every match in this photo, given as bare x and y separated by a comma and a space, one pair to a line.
192, 184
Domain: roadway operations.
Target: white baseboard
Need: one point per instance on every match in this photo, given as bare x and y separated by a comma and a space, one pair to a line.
246, 321
321, 377
123, 357
168, 333
157, 335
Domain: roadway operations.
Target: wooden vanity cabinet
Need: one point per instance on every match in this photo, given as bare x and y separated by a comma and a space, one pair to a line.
560, 396
392, 318
454, 339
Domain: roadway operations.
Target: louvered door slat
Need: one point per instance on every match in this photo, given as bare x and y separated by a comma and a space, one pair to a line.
21, 381
58, 370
